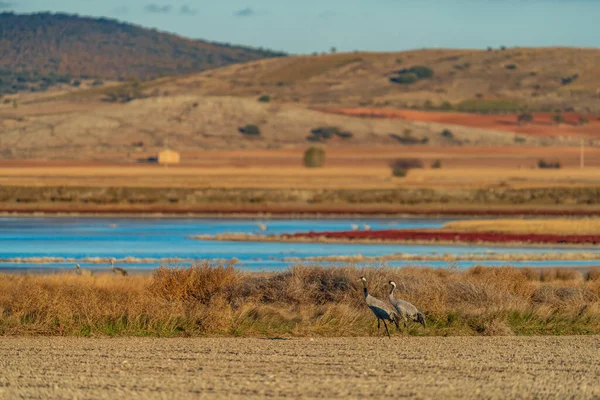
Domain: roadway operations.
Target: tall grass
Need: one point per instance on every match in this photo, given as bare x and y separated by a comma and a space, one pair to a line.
575, 226
218, 300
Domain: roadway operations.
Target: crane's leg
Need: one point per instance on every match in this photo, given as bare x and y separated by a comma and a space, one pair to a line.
386, 329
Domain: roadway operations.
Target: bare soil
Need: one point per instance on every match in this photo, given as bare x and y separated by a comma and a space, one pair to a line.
377, 367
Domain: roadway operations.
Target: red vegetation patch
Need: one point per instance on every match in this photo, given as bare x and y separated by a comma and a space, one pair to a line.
542, 124
422, 235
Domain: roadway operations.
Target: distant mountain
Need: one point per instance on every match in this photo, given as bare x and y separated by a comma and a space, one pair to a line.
60, 45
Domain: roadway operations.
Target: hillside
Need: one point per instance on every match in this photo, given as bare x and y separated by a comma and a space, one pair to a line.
285, 99
510, 80
45, 48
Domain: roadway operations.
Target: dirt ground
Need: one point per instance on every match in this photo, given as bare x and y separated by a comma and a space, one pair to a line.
377, 367
542, 124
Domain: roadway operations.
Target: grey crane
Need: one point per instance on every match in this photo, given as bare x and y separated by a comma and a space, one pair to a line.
82, 271
383, 311
405, 309
117, 270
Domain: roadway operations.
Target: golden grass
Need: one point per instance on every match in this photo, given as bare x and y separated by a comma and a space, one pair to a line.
564, 226
219, 300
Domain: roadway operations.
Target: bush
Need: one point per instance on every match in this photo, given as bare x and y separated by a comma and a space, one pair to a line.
412, 75
76, 83
406, 163
524, 118
264, 99
583, 120
558, 119
327, 132
399, 172
446, 105
98, 82
568, 79
436, 164
447, 133
421, 71
405, 79
250, 130
510, 66
543, 164
314, 157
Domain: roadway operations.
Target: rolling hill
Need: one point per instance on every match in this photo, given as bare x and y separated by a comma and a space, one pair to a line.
45, 48
290, 98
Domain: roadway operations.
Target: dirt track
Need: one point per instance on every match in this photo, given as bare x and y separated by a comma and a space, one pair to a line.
458, 367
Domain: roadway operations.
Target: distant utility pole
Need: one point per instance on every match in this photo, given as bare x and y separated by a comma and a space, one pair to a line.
581, 159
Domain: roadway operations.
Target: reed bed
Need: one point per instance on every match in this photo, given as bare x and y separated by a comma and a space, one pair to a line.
219, 300
561, 226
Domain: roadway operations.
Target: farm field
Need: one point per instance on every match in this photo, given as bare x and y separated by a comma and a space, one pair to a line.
457, 367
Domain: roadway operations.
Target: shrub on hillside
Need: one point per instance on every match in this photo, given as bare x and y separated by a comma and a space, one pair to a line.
543, 164
436, 164
524, 118
404, 79
406, 163
447, 134
264, 99
583, 120
510, 66
250, 130
314, 157
327, 132
412, 75
565, 80
558, 119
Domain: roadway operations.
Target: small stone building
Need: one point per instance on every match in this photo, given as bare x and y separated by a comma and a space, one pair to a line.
168, 157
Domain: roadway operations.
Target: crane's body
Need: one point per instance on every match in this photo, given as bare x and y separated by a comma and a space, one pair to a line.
383, 311
405, 309
117, 270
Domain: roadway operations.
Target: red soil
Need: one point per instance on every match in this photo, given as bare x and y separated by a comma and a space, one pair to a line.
470, 237
541, 126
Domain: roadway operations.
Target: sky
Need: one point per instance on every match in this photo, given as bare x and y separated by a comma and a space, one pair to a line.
309, 26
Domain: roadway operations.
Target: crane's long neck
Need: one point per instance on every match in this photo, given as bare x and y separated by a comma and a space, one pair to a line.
392, 290
365, 289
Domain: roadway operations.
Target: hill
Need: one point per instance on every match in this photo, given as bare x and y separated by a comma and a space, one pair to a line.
349, 100
47, 48
509, 80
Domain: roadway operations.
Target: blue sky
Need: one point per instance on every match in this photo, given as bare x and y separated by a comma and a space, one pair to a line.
375, 25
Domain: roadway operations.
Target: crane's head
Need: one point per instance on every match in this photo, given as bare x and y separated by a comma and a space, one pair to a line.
392, 283
77, 266
363, 279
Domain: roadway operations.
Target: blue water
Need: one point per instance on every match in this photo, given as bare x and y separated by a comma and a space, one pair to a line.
156, 238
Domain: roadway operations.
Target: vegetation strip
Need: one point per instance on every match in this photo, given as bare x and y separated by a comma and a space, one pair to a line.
217, 300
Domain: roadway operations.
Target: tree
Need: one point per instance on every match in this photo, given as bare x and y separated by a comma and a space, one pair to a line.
524, 118
558, 119
314, 157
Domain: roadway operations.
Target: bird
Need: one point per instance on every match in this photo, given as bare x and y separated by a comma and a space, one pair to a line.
354, 227
82, 271
262, 227
366, 227
117, 270
383, 311
405, 309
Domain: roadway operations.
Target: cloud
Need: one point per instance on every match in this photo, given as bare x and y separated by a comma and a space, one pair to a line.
158, 9
187, 10
6, 5
245, 12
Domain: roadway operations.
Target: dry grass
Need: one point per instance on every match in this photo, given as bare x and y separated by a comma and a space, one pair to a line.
565, 226
301, 301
